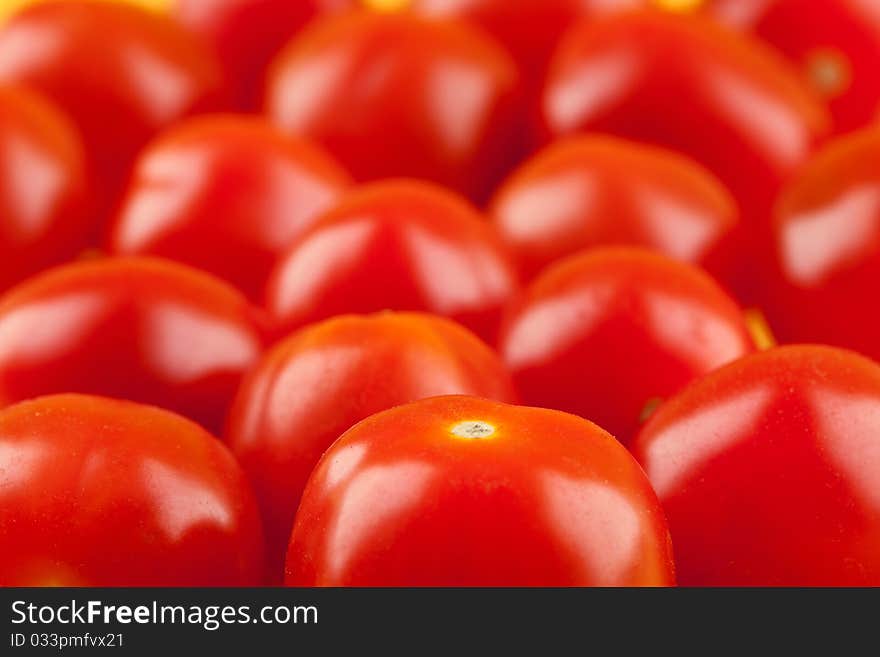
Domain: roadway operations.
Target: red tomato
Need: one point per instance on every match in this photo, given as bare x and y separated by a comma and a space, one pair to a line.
120, 71
684, 83
769, 471
828, 244
98, 492
322, 380
139, 329
398, 245
529, 29
461, 491
607, 333
835, 43
592, 191
397, 95
247, 34
225, 194
44, 217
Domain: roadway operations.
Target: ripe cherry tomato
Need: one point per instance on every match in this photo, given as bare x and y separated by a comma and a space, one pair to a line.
607, 333
462, 491
835, 44
44, 216
399, 245
828, 244
769, 470
247, 34
684, 83
398, 95
139, 329
592, 191
529, 29
121, 72
225, 194
315, 385
99, 492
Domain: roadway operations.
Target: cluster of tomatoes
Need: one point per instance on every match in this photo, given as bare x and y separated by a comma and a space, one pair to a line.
439, 292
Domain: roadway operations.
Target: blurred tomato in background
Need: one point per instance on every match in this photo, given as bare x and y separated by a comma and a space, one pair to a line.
111, 493
828, 248
399, 245
398, 95
319, 382
685, 83
609, 333
834, 43
45, 216
121, 72
227, 194
247, 34
146, 330
584, 192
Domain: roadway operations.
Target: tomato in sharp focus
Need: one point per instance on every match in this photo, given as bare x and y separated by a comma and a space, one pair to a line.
316, 384
146, 330
834, 43
684, 83
396, 245
225, 194
592, 191
529, 29
398, 95
462, 491
121, 72
99, 492
828, 249
248, 34
769, 470
608, 333
44, 195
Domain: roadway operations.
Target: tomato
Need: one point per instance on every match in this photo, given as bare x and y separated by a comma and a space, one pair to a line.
769, 470
138, 329
225, 194
99, 492
607, 333
835, 44
462, 491
683, 83
399, 245
828, 245
319, 382
44, 214
591, 191
397, 95
248, 34
529, 29
121, 72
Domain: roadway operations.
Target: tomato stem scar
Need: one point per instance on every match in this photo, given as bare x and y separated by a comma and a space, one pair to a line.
473, 429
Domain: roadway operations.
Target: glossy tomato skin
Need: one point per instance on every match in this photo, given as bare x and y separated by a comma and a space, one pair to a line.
834, 43
247, 34
529, 30
225, 194
769, 469
684, 83
99, 492
44, 213
399, 95
590, 191
156, 75
146, 330
605, 333
396, 245
462, 491
828, 249
313, 386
